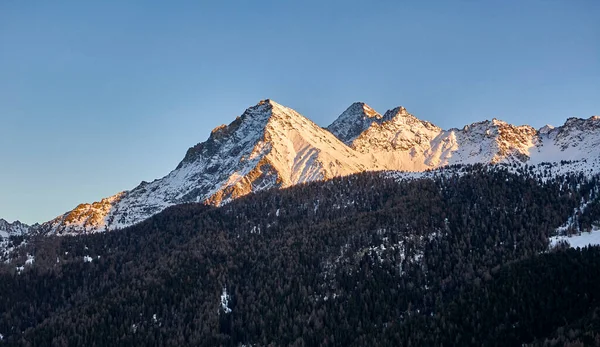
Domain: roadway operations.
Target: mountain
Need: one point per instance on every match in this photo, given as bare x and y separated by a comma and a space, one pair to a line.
403, 142
399, 142
352, 122
459, 255
268, 146
273, 146
12, 229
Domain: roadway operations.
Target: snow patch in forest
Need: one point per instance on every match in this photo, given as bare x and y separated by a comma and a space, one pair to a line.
225, 301
572, 222
30, 259
579, 240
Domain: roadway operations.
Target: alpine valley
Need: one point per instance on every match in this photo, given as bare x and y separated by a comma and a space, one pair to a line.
380, 229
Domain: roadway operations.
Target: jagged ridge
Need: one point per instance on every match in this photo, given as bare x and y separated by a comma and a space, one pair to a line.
353, 121
270, 145
12, 229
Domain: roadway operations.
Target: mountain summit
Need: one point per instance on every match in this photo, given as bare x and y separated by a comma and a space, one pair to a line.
273, 146
268, 146
12, 229
352, 122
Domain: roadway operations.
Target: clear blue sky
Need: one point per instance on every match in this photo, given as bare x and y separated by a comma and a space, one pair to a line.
96, 96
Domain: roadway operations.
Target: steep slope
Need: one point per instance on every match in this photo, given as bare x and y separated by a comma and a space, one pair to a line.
499, 142
12, 229
352, 122
86, 217
492, 141
577, 139
404, 142
268, 146
400, 142
8, 230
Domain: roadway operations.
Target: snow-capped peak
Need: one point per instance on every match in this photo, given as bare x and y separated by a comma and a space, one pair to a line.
399, 112
582, 124
546, 129
271, 145
398, 142
244, 130
400, 116
12, 229
353, 121
498, 122
85, 218
398, 130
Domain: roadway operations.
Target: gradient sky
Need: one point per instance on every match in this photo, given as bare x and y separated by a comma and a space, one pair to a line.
98, 96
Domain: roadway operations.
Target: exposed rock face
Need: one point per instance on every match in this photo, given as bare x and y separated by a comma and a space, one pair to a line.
352, 122
13, 229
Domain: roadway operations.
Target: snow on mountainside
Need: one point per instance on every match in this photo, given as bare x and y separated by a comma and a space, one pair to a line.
404, 142
577, 139
270, 145
492, 141
85, 217
399, 142
352, 122
583, 239
12, 229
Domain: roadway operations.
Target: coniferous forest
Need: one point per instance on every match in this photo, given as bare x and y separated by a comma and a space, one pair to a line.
461, 258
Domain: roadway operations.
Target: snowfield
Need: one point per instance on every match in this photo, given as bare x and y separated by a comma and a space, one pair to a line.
579, 240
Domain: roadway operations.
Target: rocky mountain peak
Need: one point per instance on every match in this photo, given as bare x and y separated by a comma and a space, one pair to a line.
498, 122
15, 228
353, 121
268, 146
583, 124
246, 128
363, 109
397, 112
546, 129
399, 117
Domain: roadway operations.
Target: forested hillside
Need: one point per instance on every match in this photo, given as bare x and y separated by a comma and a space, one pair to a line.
461, 258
